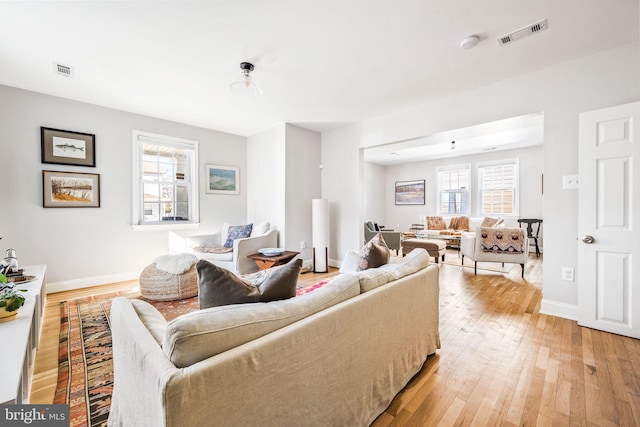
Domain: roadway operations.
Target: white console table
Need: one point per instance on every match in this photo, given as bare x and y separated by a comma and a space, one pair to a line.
20, 338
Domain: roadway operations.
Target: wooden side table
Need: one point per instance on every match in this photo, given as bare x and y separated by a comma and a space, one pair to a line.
265, 262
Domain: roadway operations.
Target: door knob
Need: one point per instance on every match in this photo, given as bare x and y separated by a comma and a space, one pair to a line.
588, 239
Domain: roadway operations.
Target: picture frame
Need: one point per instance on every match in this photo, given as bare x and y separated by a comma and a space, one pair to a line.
64, 147
222, 179
70, 189
410, 192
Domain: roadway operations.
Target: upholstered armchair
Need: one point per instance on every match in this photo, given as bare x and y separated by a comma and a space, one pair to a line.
391, 237
488, 244
208, 247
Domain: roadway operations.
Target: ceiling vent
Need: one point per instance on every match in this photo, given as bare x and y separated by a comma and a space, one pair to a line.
62, 70
536, 27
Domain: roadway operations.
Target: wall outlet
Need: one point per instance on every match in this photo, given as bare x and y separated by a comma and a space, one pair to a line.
567, 274
303, 244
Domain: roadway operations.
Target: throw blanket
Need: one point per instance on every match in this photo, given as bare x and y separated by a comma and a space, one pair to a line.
175, 264
501, 240
213, 249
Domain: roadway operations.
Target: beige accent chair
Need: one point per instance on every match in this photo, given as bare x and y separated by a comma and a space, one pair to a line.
390, 236
471, 247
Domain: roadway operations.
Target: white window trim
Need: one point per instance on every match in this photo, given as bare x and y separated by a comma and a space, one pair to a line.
516, 199
139, 136
466, 166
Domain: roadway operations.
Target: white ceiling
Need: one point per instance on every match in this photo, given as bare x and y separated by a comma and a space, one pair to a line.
321, 64
507, 134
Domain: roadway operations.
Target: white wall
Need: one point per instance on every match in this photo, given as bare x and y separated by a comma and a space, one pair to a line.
375, 189
595, 81
342, 176
302, 185
284, 176
266, 161
83, 247
530, 160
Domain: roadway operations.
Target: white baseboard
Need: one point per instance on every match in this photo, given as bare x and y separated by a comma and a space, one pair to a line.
559, 309
86, 282
307, 264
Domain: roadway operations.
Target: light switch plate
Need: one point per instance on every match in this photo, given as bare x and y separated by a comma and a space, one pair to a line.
570, 182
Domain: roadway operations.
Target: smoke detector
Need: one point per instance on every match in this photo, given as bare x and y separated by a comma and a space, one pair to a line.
62, 70
522, 32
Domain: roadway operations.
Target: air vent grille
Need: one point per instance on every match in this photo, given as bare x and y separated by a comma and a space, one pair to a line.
62, 70
522, 32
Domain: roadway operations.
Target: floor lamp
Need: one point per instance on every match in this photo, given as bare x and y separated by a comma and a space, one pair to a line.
320, 235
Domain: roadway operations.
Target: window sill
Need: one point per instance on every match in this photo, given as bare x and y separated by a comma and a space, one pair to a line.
156, 227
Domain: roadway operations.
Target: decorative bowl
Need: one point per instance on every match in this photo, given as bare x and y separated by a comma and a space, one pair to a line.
270, 251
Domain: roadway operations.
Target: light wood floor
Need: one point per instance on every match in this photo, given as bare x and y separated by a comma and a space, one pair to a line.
501, 361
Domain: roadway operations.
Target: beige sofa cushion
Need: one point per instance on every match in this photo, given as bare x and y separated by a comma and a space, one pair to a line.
199, 335
375, 277
415, 260
151, 318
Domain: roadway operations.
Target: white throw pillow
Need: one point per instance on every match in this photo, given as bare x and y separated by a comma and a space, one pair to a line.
350, 262
224, 233
260, 228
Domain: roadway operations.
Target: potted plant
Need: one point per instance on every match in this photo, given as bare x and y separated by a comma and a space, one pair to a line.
11, 300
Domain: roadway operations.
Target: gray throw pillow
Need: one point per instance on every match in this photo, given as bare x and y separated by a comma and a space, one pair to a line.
280, 282
218, 286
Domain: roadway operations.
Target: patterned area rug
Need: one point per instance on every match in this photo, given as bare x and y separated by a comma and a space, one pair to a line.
85, 368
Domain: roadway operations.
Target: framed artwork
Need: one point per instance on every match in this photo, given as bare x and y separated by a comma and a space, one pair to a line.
222, 179
410, 192
63, 147
70, 190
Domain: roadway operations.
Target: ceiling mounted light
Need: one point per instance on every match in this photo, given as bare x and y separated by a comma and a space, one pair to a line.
453, 145
469, 42
246, 85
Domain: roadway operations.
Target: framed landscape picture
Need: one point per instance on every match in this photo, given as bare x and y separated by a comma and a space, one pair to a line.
410, 192
222, 179
63, 147
70, 190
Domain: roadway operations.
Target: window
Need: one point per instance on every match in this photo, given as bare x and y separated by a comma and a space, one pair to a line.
166, 190
453, 190
497, 184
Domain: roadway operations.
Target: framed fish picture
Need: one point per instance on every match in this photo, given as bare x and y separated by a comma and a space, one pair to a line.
63, 147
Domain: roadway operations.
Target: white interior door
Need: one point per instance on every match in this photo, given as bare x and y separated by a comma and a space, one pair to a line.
609, 219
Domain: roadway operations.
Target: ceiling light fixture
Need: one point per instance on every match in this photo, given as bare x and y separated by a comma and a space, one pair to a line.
469, 42
453, 145
246, 85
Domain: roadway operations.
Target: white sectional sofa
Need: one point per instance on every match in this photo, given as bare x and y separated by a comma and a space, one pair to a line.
335, 356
